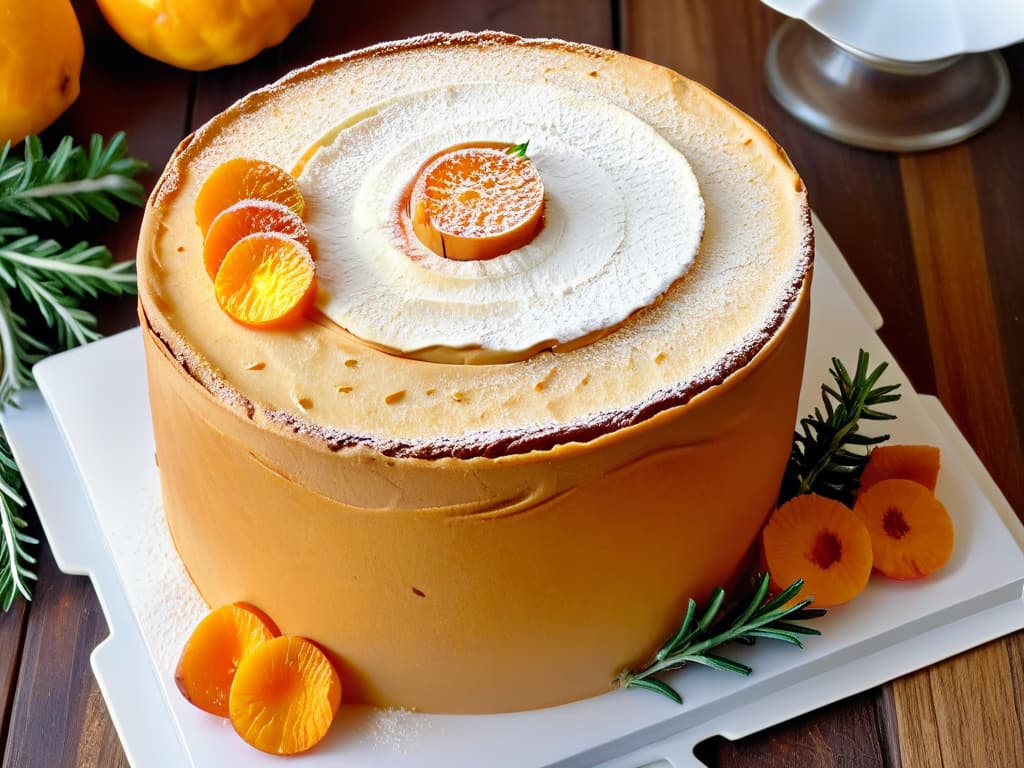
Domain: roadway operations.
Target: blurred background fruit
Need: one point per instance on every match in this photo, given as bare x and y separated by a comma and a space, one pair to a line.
203, 34
40, 63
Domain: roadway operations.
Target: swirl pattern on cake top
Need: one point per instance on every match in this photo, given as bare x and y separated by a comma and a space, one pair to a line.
623, 221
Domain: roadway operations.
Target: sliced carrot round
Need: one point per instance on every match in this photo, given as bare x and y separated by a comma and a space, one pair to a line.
911, 531
822, 542
246, 179
476, 203
246, 218
266, 280
213, 652
284, 696
919, 463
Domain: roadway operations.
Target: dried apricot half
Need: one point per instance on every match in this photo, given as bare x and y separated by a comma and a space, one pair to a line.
213, 652
819, 540
246, 179
246, 218
919, 463
911, 531
284, 696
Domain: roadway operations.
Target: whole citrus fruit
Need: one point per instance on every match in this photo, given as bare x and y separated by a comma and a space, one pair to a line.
203, 34
40, 62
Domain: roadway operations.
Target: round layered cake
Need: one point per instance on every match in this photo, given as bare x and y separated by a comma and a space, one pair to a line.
507, 441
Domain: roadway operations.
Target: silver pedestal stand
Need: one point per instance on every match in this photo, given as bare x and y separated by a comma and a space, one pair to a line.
879, 103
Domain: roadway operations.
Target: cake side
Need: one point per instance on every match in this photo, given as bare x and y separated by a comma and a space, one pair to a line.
478, 585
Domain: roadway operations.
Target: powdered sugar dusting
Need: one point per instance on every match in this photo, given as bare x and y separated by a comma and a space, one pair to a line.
755, 255
460, 191
623, 222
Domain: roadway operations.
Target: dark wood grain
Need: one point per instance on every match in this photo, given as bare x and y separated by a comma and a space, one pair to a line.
12, 634
997, 163
963, 333
58, 719
963, 712
847, 733
328, 31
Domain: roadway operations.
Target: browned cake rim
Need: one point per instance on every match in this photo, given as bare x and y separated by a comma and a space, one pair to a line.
490, 443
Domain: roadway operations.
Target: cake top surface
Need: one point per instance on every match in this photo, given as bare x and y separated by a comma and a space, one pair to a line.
320, 382
623, 218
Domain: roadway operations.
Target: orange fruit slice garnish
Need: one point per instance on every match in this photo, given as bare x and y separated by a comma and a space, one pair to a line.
210, 658
246, 218
266, 280
245, 179
284, 696
911, 531
477, 203
822, 542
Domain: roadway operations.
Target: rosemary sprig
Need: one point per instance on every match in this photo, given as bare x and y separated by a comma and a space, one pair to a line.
54, 280
518, 150
821, 460
693, 642
16, 562
70, 183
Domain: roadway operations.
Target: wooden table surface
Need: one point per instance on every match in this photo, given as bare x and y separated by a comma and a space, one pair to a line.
936, 238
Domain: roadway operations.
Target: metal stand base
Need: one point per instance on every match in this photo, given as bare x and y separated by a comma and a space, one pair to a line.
879, 103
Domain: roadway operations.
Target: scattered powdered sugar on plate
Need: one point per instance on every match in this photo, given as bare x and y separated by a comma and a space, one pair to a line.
168, 606
164, 600
393, 729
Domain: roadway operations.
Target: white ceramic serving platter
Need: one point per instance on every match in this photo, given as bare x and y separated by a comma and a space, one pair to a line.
114, 533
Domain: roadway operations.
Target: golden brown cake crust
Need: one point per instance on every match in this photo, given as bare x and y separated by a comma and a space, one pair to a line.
487, 442
431, 541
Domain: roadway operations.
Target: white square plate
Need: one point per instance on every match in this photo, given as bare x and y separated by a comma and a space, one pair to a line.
115, 533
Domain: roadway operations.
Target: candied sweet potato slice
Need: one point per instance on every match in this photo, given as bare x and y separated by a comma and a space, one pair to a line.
266, 280
245, 179
246, 218
475, 203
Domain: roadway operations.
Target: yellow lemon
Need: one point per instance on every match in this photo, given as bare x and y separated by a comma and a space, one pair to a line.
203, 34
40, 62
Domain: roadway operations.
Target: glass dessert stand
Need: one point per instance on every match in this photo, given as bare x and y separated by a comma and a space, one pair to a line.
896, 78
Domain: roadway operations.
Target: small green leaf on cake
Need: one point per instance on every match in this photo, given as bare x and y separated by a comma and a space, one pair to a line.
518, 150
